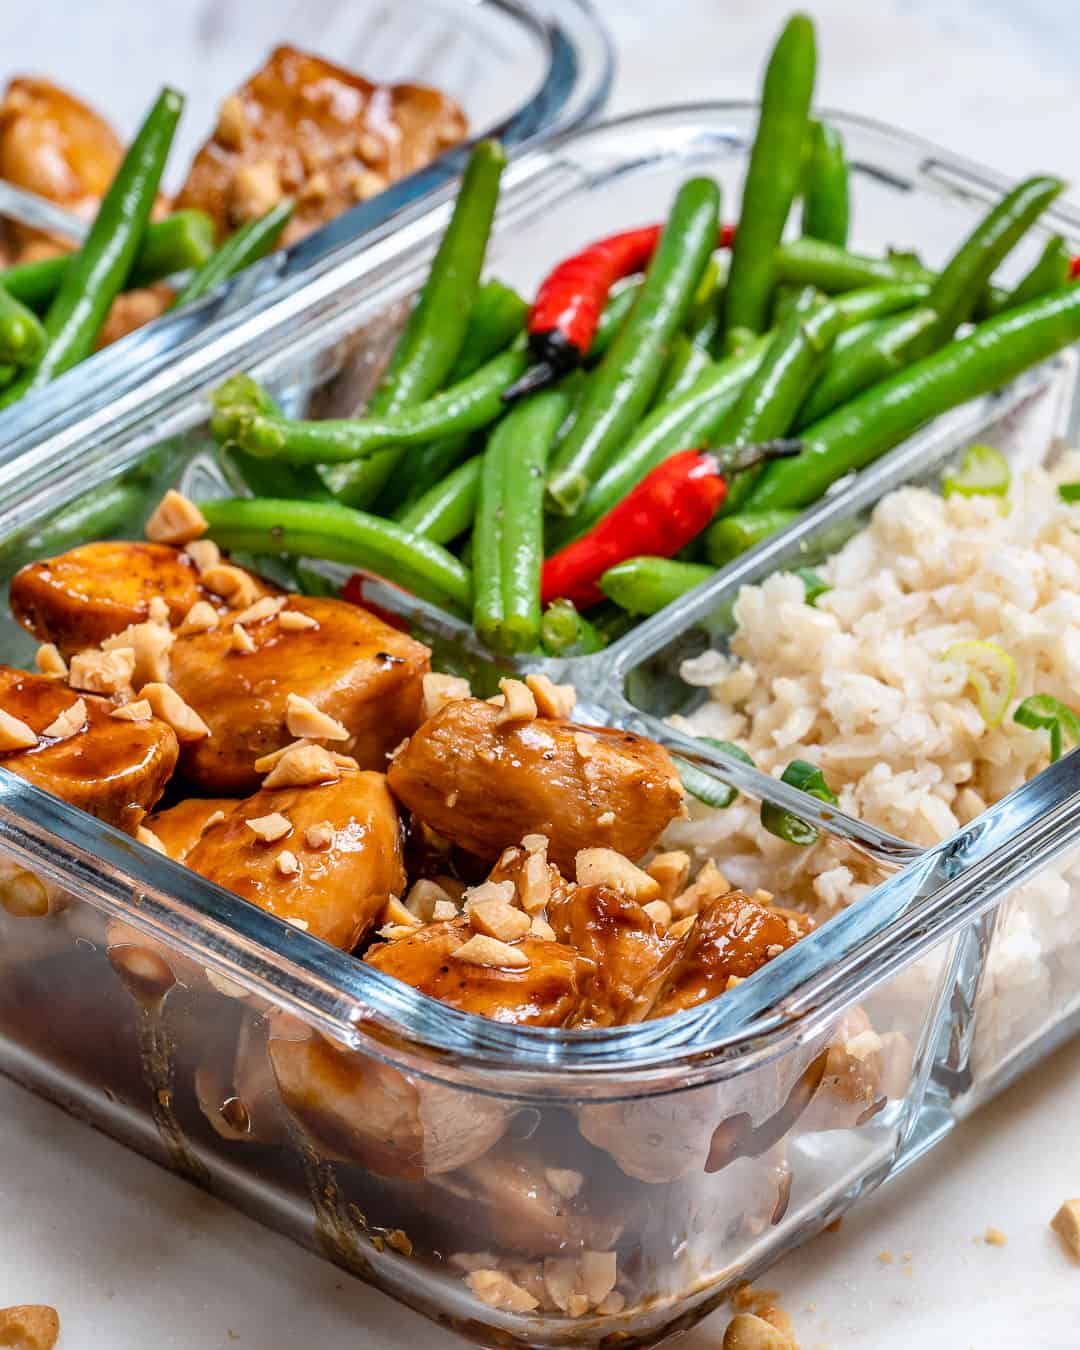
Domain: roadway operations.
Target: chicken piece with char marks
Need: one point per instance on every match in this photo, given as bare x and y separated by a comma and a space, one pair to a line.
114, 769
485, 783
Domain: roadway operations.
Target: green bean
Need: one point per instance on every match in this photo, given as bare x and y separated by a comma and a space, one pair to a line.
992, 354
645, 585
825, 195
176, 244
434, 336
262, 477
772, 176
95, 515
98, 271
1049, 273
565, 632
612, 317
250, 243
464, 407
621, 387
688, 361
22, 338
336, 533
726, 539
508, 550
446, 511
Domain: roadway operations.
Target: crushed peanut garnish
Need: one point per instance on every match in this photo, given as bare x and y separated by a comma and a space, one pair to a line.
49, 661
709, 884
395, 912
747, 1332
159, 610
605, 867
304, 719
302, 924
137, 711
102, 672
994, 1237
535, 843
498, 919
294, 620
498, 1290
670, 871
443, 910
660, 912
203, 553
763, 897
394, 932
269, 828
213, 819
490, 890
304, 766
1066, 1223
175, 520
552, 700
606, 820
683, 926
151, 644
540, 928
535, 883
598, 1270
423, 896
31, 1326
320, 835
69, 722
564, 1181
150, 839
287, 863
585, 744
439, 690
481, 950
520, 705
170, 707
235, 586
264, 608
202, 617
14, 734
241, 640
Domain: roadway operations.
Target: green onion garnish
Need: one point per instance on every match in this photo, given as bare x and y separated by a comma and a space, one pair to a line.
1042, 711
984, 470
1069, 492
813, 584
808, 778
707, 789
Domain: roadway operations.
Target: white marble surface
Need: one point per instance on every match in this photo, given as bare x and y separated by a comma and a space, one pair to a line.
132, 1257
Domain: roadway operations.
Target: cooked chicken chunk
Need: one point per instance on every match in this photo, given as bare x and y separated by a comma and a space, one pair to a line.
631, 954
359, 1109
549, 991
733, 937
349, 664
181, 827
485, 783
114, 769
333, 883
304, 128
81, 598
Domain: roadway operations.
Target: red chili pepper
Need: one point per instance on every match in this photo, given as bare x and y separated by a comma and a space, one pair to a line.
1074, 270
670, 506
563, 318
353, 592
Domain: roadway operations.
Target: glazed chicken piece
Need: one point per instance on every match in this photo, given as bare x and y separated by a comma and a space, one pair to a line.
364, 674
304, 128
80, 598
114, 769
631, 954
548, 990
331, 866
732, 937
180, 828
485, 783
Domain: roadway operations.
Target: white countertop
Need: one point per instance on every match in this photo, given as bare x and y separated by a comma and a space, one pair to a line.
133, 1257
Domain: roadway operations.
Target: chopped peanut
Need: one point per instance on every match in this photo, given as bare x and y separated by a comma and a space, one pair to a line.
241, 640
255, 188
498, 920
150, 839
304, 766
552, 700
151, 644
542, 929
444, 909
747, 1332
520, 706
102, 672
365, 183
137, 711
535, 843
69, 722
535, 883
288, 864
564, 1181
214, 819
683, 926
585, 744
1066, 1223
482, 950
265, 608
320, 835
15, 735
597, 1275
295, 620
170, 707
303, 719
235, 586
203, 553
175, 520
498, 1290
490, 890
202, 617
266, 762
269, 828
29, 1327
394, 932
439, 690
395, 912
49, 661
670, 871
159, 610
660, 913
709, 884
423, 896
232, 124
605, 867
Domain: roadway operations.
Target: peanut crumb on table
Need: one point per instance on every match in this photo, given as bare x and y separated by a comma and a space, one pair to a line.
1066, 1223
994, 1237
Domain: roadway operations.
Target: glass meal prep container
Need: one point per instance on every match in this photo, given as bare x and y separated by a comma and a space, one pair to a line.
525, 1185
518, 69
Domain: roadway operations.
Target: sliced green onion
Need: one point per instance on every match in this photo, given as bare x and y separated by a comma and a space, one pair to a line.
813, 584
992, 671
808, 778
1069, 492
705, 788
984, 471
1042, 711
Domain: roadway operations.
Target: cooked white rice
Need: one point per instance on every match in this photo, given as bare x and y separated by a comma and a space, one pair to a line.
858, 685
